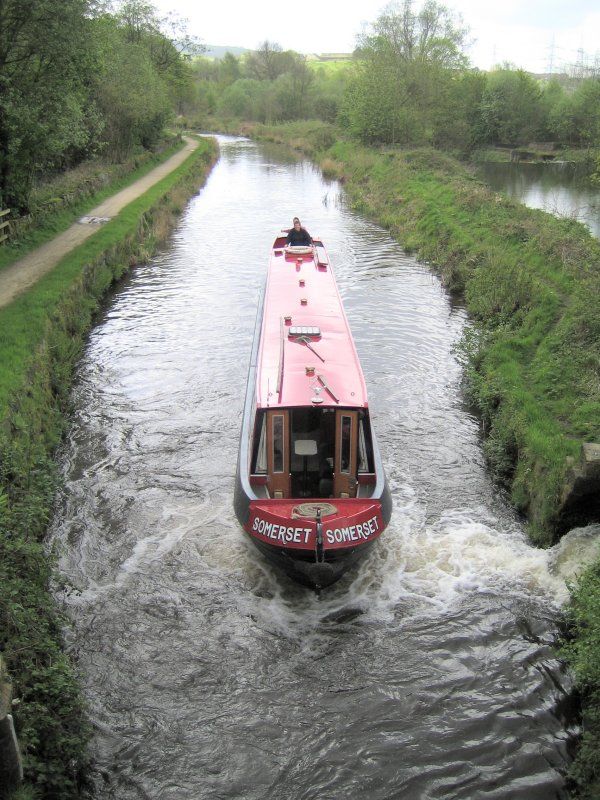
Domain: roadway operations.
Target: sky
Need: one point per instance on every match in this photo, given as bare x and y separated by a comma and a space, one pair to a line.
532, 34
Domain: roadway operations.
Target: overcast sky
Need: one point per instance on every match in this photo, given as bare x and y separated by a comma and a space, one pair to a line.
528, 33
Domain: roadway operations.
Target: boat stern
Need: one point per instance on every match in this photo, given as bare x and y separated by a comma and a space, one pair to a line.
315, 541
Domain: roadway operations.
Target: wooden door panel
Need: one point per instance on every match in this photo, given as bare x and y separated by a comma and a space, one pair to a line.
344, 467
278, 453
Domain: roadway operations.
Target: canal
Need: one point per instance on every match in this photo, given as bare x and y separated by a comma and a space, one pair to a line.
429, 672
556, 187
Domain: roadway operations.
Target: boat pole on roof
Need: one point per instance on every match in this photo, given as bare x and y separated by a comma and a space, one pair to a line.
305, 340
325, 385
281, 358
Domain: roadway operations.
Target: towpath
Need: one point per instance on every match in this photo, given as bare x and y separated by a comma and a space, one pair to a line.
25, 272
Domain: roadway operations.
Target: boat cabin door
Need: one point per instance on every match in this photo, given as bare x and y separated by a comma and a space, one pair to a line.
278, 453
344, 467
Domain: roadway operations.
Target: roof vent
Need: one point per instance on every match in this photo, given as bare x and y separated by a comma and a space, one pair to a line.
303, 330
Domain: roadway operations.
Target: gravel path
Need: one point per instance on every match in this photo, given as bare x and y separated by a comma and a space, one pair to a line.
25, 272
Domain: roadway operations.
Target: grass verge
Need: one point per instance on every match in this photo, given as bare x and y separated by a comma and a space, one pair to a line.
41, 337
582, 651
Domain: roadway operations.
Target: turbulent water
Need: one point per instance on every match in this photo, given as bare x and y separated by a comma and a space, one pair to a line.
427, 673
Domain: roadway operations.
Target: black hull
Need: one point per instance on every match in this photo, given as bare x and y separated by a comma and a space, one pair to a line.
303, 567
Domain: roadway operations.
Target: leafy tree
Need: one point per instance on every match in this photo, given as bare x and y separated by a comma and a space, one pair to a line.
457, 117
406, 64
45, 66
327, 92
138, 19
586, 112
244, 99
131, 94
269, 61
76, 78
552, 100
167, 43
511, 108
229, 69
292, 89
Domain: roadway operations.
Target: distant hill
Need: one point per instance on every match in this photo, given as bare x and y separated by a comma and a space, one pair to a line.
218, 51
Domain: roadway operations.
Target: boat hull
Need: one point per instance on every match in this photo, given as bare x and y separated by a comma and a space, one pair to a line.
291, 542
302, 567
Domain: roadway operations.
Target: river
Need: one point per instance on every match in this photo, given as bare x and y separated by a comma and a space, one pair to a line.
427, 673
556, 187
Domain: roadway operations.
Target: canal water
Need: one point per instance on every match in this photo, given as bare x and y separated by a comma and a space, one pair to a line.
429, 672
556, 187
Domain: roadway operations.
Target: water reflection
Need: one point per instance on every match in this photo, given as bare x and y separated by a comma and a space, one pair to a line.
555, 187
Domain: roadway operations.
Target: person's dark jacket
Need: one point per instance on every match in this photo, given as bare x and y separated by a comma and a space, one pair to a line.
298, 238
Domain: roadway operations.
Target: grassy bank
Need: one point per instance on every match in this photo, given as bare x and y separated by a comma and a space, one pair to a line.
583, 654
57, 203
532, 285
41, 337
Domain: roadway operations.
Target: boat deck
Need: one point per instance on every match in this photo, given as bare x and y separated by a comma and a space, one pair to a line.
307, 355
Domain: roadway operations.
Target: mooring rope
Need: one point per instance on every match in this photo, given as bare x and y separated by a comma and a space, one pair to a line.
309, 510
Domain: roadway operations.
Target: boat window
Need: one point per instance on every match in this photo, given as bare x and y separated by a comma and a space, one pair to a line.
278, 443
363, 459
346, 438
260, 466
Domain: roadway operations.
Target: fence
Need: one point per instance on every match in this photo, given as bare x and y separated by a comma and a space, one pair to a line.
4, 226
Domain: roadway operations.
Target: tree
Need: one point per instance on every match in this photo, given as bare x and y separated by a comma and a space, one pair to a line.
432, 36
457, 117
586, 112
406, 64
511, 108
243, 100
268, 62
138, 18
229, 69
45, 67
134, 98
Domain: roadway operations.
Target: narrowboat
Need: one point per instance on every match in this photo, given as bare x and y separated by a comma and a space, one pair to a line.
310, 488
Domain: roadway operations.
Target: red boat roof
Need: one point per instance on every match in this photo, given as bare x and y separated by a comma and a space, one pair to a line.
306, 354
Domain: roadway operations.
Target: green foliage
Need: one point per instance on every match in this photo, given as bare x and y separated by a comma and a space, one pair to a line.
132, 98
457, 116
582, 651
75, 81
41, 338
407, 65
511, 108
244, 99
269, 85
585, 110
44, 69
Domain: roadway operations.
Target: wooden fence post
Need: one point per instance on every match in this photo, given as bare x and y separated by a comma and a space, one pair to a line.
4, 225
11, 768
